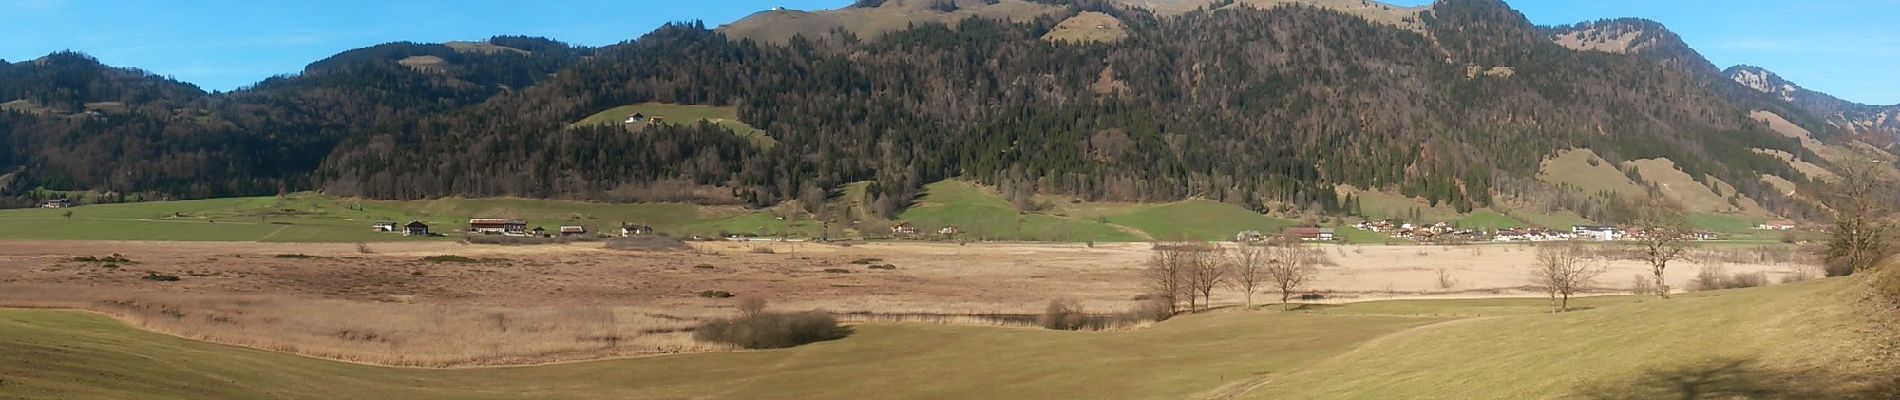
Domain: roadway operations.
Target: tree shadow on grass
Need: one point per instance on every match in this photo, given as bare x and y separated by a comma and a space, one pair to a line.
1740, 378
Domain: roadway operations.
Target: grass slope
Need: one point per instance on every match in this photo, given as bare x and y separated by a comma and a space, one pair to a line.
1693, 195
1197, 219
1582, 169
727, 117
1747, 339
314, 218
982, 214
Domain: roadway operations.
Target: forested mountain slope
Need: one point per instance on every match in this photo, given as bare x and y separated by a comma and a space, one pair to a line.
1271, 106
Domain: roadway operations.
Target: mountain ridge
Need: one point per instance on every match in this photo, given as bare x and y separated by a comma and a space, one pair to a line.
931, 102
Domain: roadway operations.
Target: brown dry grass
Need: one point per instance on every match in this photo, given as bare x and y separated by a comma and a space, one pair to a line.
533, 304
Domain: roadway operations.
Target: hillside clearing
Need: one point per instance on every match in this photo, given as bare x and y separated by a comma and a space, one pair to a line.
1088, 27
1583, 170
723, 116
1693, 195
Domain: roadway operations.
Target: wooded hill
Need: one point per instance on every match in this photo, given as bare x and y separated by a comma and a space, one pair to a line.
1268, 108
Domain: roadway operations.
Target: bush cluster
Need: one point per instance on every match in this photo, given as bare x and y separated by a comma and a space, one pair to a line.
1716, 278
771, 330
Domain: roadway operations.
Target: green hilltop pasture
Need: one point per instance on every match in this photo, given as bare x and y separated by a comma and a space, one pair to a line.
1738, 341
726, 116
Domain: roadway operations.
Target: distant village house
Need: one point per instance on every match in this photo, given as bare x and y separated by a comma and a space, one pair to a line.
1596, 232
573, 230
903, 229
498, 226
1309, 233
1249, 236
415, 228
383, 227
629, 230
1777, 225
59, 203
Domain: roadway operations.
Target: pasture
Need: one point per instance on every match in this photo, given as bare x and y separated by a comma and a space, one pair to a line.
306, 217
724, 116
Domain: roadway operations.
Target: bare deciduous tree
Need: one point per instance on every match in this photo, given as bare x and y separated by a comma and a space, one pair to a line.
1561, 271
1861, 202
1207, 270
1660, 233
1290, 267
1165, 272
1249, 268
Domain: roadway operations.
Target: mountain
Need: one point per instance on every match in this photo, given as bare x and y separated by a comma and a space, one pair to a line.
81, 125
1868, 122
1269, 104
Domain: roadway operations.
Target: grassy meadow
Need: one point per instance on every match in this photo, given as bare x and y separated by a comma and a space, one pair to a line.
1797, 340
315, 218
979, 211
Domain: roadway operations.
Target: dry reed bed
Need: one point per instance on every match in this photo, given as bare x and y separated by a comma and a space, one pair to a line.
385, 333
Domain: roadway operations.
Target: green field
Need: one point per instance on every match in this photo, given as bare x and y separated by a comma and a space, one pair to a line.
983, 215
1198, 220
1799, 341
727, 116
315, 218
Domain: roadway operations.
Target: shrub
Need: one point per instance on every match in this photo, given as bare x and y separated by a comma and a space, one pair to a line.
837, 271
154, 276
1708, 278
1716, 278
1063, 314
1747, 280
110, 266
751, 306
715, 294
364, 248
1152, 308
1643, 286
450, 258
886, 267
771, 330
703, 266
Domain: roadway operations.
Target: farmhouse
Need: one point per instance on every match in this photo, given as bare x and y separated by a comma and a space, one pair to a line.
903, 229
636, 118
628, 230
1308, 233
497, 226
415, 228
1777, 225
383, 227
1247, 236
58, 203
1596, 232
573, 230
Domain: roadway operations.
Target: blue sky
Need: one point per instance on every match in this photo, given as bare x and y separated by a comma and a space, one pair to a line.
1850, 48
